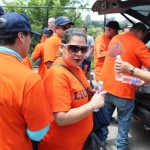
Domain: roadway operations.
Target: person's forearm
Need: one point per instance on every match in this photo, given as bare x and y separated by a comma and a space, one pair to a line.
73, 115
144, 75
76, 114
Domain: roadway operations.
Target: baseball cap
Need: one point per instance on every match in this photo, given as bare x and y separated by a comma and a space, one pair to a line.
12, 22
63, 20
2, 11
47, 31
113, 25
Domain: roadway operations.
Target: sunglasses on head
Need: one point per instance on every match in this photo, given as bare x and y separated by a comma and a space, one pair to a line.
76, 48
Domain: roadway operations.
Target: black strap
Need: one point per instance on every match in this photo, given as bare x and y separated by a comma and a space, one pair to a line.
59, 64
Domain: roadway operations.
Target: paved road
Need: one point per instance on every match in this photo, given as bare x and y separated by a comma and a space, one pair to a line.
138, 137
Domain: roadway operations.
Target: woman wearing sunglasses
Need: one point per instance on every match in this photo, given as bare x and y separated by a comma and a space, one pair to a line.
71, 101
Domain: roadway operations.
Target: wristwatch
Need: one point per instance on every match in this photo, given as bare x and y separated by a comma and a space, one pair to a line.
132, 70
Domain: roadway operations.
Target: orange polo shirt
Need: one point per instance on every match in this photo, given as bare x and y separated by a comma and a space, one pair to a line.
100, 48
64, 92
23, 104
39, 52
132, 50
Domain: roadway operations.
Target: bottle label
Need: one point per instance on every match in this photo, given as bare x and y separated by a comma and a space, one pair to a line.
127, 79
118, 76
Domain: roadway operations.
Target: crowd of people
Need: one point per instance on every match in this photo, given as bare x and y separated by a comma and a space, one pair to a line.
53, 108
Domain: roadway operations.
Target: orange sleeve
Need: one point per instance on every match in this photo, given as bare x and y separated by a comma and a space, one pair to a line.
36, 109
143, 54
101, 47
37, 51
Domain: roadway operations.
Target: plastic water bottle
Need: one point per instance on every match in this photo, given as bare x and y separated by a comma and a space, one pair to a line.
118, 75
131, 80
100, 88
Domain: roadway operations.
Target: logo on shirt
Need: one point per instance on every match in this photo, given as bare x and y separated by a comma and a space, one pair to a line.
114, 49
82, 94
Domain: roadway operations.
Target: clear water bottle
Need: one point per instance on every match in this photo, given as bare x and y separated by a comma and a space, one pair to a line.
100, 88
131, 80
118, 75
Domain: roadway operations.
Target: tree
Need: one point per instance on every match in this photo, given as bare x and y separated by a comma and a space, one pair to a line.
38, 11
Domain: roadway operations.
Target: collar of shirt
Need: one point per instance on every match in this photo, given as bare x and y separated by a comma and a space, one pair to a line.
9, 51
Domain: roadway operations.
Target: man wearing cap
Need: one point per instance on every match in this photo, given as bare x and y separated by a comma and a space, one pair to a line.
121, 95
52, 44
38, 53
101, 45
24, 110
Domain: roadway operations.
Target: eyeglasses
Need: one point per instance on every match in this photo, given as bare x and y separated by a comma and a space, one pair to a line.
76, 48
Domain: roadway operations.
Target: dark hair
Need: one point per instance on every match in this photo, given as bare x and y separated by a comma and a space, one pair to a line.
85, 28
10, 38
139, 27
48, 35
147, 37
69, 33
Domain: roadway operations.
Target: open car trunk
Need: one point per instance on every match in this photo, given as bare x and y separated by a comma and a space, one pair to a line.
138, 9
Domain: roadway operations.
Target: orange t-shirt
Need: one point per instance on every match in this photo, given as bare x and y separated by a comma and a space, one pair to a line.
132, 50
27, 62
51, 48
23, 104
39, 52
64, 92
100, 48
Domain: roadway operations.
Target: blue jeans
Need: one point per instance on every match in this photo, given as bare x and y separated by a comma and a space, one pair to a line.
124, 112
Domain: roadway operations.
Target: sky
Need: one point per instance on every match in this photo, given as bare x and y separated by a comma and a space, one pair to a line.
93, 15
1, 2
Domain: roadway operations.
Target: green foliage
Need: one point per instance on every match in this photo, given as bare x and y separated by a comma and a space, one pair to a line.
38, 11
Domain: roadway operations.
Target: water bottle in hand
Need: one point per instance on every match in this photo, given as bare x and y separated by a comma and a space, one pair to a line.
131, 80
118, 75
99, 89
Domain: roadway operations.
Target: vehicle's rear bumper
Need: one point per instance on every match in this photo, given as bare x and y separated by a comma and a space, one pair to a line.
142, 115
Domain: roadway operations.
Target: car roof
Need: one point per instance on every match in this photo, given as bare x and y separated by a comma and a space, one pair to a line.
139, 9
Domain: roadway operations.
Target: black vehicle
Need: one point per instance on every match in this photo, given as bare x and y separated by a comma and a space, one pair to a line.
139, 9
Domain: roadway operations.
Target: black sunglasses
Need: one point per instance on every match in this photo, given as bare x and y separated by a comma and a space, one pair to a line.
76, 48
